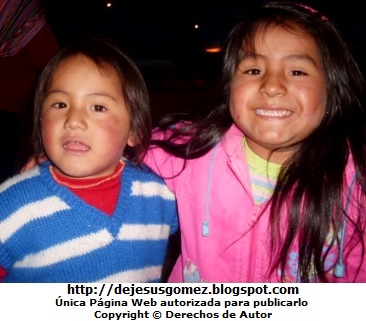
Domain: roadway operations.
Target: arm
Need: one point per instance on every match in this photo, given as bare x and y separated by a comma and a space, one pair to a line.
163, 163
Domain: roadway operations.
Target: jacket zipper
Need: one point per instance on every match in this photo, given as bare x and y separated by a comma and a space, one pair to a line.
252, 252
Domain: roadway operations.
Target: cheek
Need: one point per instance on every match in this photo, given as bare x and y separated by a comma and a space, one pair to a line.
46, 128
315, 98
112, 126
233, 104
47, 131
317, 113
238, 105
115, 132
235, 115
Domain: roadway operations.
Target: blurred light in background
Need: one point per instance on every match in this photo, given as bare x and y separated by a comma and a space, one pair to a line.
213, 50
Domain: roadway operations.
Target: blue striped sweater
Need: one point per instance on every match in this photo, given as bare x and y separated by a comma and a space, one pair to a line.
48, 234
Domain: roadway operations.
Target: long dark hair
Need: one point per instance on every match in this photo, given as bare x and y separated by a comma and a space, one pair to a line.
105, 53
312, 182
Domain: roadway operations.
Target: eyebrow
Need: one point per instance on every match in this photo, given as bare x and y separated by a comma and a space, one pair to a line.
98, 94
302, 57
289, 57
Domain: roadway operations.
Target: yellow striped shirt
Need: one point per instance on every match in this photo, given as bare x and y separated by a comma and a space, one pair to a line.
263, 175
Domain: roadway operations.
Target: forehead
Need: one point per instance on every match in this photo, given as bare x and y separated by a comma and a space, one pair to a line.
84, 63
81, 75
281, 39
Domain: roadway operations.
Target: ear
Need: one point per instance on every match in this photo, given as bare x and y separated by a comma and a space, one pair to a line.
132, 140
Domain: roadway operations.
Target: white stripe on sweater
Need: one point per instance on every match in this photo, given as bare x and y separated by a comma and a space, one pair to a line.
73, 248
18, 178
135, 276
143, 232
151, 189
30, 212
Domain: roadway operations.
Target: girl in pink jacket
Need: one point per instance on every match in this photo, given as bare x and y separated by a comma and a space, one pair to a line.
271, 183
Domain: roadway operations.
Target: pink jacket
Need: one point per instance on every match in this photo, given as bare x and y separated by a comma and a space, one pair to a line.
214, 198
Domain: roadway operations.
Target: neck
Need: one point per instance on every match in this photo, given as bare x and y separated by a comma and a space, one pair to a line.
87, 182
273, 155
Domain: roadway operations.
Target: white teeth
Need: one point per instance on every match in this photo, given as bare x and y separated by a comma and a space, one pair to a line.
273, 113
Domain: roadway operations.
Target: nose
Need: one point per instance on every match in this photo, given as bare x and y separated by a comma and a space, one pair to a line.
273, 84
76, 119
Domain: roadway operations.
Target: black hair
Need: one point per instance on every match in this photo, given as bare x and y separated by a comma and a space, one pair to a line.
311, 183
105, 53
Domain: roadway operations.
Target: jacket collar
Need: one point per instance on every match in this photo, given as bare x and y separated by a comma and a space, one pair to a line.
232, 141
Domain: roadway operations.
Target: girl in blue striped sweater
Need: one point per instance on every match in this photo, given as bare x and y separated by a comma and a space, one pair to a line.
92, 212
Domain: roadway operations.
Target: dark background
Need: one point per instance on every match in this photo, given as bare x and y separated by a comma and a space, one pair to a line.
161, 38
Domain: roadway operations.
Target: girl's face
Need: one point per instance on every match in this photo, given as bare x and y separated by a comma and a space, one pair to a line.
278, 92
85, 124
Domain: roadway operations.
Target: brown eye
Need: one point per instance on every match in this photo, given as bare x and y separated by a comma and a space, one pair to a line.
298, 73
59, 105
99, 108
254, 72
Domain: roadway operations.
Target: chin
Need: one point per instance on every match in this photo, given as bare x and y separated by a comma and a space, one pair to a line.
75, 173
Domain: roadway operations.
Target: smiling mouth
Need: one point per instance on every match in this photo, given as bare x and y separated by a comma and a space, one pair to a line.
273, 113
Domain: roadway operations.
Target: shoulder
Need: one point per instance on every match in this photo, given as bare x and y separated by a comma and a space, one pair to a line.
141, 171
20, 181
20, 192
31, 185
144, 182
